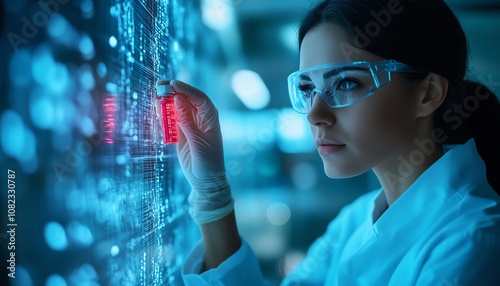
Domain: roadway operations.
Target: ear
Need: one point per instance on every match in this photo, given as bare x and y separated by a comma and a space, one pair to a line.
431, 94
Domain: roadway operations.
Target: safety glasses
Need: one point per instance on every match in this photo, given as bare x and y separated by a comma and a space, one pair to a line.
341, 85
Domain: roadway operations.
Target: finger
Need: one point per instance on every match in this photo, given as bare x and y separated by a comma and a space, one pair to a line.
182, 103
203, 108
183, 150
182, 140
196, 96
185, 115
183, 108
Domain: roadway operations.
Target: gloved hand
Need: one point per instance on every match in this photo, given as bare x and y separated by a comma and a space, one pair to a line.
201, 155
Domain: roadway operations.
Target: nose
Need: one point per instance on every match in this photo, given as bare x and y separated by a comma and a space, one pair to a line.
320, 113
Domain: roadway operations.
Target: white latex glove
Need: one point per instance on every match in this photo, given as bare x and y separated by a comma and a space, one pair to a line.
201, 154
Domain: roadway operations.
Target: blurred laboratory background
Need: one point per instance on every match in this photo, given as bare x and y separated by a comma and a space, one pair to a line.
99, 199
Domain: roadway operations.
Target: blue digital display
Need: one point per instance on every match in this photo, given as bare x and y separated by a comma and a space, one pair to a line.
99, 199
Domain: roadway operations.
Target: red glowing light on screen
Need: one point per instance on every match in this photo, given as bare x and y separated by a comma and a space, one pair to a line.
110, 107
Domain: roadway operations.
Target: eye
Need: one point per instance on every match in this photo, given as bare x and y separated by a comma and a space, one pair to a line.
343, 90
306, 89
346, 84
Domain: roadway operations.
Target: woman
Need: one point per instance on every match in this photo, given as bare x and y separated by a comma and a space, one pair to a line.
382, 84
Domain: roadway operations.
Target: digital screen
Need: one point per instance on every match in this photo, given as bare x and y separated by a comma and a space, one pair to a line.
96, 198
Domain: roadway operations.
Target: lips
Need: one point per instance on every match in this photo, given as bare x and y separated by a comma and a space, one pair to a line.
324, 141
327, 146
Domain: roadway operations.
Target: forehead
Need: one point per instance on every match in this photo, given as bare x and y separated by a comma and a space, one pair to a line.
330, 44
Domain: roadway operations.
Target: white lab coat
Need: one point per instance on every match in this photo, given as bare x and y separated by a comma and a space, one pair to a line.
443, 230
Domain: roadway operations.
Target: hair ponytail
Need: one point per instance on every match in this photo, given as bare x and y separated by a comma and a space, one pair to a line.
425, 34
484, 124
476, 114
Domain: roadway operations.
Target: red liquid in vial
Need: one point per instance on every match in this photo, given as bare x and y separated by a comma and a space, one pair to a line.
169, 120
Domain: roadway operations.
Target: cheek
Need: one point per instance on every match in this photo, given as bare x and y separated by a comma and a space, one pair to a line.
382, 122
374, 130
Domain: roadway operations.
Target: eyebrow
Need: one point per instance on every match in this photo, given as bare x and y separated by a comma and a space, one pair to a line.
333, 72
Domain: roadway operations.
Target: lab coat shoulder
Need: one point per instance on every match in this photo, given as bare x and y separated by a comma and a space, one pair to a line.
466, 258
464, 248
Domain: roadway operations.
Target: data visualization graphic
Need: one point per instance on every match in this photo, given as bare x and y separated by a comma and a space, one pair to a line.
100, 199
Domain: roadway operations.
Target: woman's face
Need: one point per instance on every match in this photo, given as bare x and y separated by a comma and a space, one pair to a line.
372, 130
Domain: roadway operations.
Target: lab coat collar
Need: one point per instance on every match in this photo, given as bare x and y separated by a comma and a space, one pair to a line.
459, 169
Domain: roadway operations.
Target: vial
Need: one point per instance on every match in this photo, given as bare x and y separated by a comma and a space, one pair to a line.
167, 113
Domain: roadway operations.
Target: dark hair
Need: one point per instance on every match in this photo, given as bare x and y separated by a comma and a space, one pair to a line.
424, 34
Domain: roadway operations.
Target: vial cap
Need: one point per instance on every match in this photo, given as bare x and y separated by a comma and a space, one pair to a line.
165, 90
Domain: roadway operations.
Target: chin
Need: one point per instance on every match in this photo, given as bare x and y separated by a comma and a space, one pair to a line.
338, 173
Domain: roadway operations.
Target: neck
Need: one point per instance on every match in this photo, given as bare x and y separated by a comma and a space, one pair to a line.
400, 171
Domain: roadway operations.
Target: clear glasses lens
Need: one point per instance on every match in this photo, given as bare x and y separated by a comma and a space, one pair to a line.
338, 85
